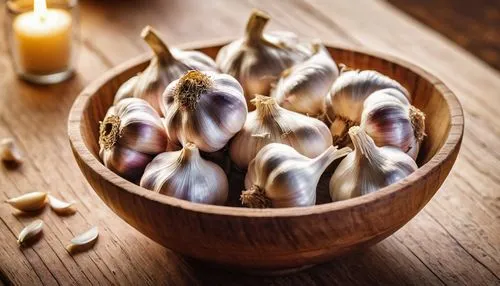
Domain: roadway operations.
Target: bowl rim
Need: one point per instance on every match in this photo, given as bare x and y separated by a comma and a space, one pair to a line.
453, 140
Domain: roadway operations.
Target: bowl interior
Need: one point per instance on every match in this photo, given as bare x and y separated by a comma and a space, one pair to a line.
423, 88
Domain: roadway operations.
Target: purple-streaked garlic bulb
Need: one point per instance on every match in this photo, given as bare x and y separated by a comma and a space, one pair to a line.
344, 104
390, 120
205, 108
303, 87
130, 135
166, 66
185, 175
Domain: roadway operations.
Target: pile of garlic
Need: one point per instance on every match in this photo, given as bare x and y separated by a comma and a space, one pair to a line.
276, 105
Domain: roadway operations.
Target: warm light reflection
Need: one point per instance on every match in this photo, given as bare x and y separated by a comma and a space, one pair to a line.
40, 8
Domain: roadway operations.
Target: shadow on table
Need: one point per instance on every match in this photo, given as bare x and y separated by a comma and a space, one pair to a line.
362, 268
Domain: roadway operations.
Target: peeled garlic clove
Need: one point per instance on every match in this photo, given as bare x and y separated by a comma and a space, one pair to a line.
390, 120
166, 66
270, 123
29, 202
204, 108
30, 231
344, 104
61, 207
280, 177
130, 135
83, 240
9, 152
257, 59
369, 168
186, 175
303, 87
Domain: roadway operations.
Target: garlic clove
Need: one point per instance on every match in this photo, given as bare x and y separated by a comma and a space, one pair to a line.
10, 152
257, 59
60, 206
281, 177
30, 231
84, 240
303, 87
29, 202
186, 175
369, 168
126, 90
204, 108
347, 95
270, 123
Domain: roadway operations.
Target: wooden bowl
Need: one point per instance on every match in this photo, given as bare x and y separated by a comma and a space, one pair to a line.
261, 240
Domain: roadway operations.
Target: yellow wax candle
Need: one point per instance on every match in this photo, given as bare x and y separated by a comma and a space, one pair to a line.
43, 39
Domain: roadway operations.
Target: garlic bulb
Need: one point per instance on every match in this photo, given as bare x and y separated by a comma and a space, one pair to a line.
130, 136
344, 104
166, 66
257, 59
390, 120
270, 123
303, 87
280, 177
185, 175
204, 108
369, 168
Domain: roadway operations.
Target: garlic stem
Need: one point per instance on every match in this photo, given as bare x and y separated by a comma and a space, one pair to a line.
109, 132
189, 151
329, 155
255, 26
255, 197
267, 109
156, 44
190, 87
363, 144
417, 118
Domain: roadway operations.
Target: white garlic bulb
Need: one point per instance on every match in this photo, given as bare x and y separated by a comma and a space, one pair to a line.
369, 168
390, 120
186, 175
130, 135
166, 66
270, 123
280, 177
204, 108
257, 59
344, 104
303, 87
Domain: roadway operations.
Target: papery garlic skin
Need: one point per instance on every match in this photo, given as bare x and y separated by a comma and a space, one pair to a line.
281, 177
344, 104
270, 123
204, 108
303, 87
131, 134
166, 66
369, 168
186, 175
390, 120
257, 59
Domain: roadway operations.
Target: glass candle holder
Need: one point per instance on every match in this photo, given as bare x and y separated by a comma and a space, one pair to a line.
42, 37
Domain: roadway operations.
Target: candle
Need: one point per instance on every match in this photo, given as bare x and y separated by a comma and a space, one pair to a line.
43, 39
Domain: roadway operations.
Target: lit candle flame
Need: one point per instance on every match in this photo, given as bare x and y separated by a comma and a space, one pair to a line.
40, 8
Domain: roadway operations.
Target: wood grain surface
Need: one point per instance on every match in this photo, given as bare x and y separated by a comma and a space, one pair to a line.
454, 240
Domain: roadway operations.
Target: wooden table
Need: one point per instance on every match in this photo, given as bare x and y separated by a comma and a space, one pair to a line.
454, 240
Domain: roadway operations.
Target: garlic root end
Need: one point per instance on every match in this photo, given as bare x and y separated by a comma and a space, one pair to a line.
255, 198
